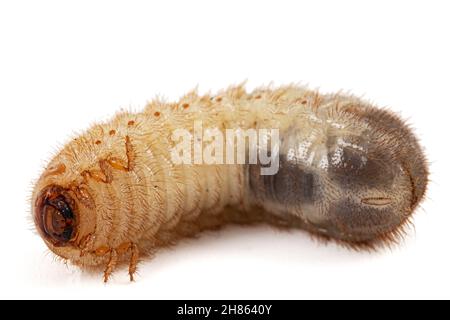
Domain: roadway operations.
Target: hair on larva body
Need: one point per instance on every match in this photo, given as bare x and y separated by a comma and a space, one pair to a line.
345, 171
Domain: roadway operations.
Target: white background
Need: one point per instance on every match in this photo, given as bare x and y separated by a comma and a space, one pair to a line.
65, 65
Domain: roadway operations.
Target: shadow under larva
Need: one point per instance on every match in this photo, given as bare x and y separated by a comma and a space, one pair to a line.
332, 165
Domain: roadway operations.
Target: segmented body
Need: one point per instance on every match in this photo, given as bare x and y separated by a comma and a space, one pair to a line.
341, 175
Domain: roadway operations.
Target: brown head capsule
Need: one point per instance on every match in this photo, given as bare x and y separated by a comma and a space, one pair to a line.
54, 216
334, 166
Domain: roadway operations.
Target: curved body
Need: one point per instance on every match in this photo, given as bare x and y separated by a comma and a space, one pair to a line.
346, 171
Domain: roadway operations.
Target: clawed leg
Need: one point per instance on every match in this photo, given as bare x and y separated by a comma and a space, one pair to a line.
133, 261
128, 165
113, 258
86, 244
105, 174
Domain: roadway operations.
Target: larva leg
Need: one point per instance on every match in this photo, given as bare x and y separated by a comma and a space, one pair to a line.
119, 164
113, 258
133, 261
83, 195
103, 175
134, 258
85, 244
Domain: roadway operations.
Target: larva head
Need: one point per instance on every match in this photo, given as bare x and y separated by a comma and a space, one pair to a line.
54, 215
63, 218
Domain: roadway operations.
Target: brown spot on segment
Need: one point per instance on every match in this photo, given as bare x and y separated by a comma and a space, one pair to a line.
185, 105
304, 102
98, 142
131, 123
157, 114
258, 96
56, 170
219, 99
112, 132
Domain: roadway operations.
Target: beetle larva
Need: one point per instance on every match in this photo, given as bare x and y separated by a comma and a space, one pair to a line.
346, 171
